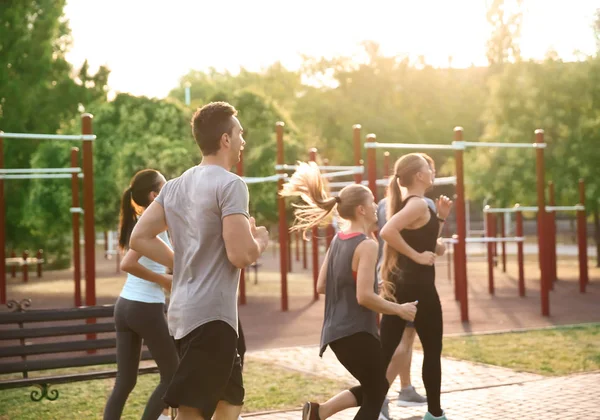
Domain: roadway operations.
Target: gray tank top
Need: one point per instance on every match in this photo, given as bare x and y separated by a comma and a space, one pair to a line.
343, 315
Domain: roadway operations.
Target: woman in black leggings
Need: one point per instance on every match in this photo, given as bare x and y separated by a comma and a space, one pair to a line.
140, 308
347, 278
408, 270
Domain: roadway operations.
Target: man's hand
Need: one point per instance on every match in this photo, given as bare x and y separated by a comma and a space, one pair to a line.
260, 234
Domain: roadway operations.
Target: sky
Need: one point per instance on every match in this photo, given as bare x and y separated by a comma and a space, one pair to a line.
149, 45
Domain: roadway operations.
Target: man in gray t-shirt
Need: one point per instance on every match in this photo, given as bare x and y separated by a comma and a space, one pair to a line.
206, 212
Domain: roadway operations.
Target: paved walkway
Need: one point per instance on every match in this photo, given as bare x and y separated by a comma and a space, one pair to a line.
469, 390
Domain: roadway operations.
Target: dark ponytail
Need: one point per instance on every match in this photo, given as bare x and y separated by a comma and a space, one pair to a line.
135, 199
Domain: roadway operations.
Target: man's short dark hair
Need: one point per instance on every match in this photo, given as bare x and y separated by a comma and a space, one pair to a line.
209, 123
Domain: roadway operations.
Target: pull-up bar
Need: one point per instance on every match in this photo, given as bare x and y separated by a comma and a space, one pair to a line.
70, 137
458, 145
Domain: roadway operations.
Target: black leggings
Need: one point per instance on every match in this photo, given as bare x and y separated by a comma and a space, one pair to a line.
429, 326
361, 355
137, 321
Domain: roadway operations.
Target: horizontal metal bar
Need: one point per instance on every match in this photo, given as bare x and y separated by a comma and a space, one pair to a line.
72, 137
484, 240
578, 207
493, 239
40, 170
258, 180
47, 315
504, 145
375, 145
39, 176
322, 168
76, 210
342, 173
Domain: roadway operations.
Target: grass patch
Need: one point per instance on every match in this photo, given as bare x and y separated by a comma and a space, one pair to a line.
268, 387
550, 352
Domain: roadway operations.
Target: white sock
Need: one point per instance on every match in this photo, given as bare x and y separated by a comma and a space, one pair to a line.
163, 417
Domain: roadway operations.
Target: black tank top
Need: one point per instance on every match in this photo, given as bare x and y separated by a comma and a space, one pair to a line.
421, 240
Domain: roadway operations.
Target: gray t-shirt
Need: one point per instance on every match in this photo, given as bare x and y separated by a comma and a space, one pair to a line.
205, 282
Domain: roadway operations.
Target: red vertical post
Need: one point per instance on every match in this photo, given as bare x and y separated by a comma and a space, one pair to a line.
455, 255
357, 151
297, 243
39, 256
288, 241
520, 262
282, 220
13, 269
490, 252
88, 214
371, 165
461, 224
542, 234
494, 233
582, 239
304, 255
239, 170
503, 244
312, 156
2, 230
75, 204
386, 164
551, 215
25, 267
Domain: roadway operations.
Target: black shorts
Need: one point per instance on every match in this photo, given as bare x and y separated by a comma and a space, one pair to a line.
209, 369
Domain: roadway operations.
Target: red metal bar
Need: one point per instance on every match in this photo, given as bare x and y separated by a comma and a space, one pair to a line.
386, 164
88, 214
25, 267
304, 254
490, 251
371, 166
461, 226
494, 234
312, 156
520, 262
552, 236
2, 231
289, 250
357, 151
282, 220
297, 243
39, 256
503, 247
455, 255
542, 234
76, 223
582, 240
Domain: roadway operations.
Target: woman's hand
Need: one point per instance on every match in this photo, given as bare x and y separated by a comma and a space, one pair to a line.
425, 258
407, 311
443, 206
168, 282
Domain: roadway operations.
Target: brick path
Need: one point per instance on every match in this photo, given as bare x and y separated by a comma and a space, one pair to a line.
469, 390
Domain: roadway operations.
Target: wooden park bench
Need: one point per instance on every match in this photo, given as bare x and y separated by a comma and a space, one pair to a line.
19, 356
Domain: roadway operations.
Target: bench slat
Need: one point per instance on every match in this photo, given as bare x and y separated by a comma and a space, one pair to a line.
63, 379
61, 347
59, 331
34, 365
45, 315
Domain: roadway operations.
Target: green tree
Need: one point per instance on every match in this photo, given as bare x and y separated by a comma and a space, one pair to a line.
38, 94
